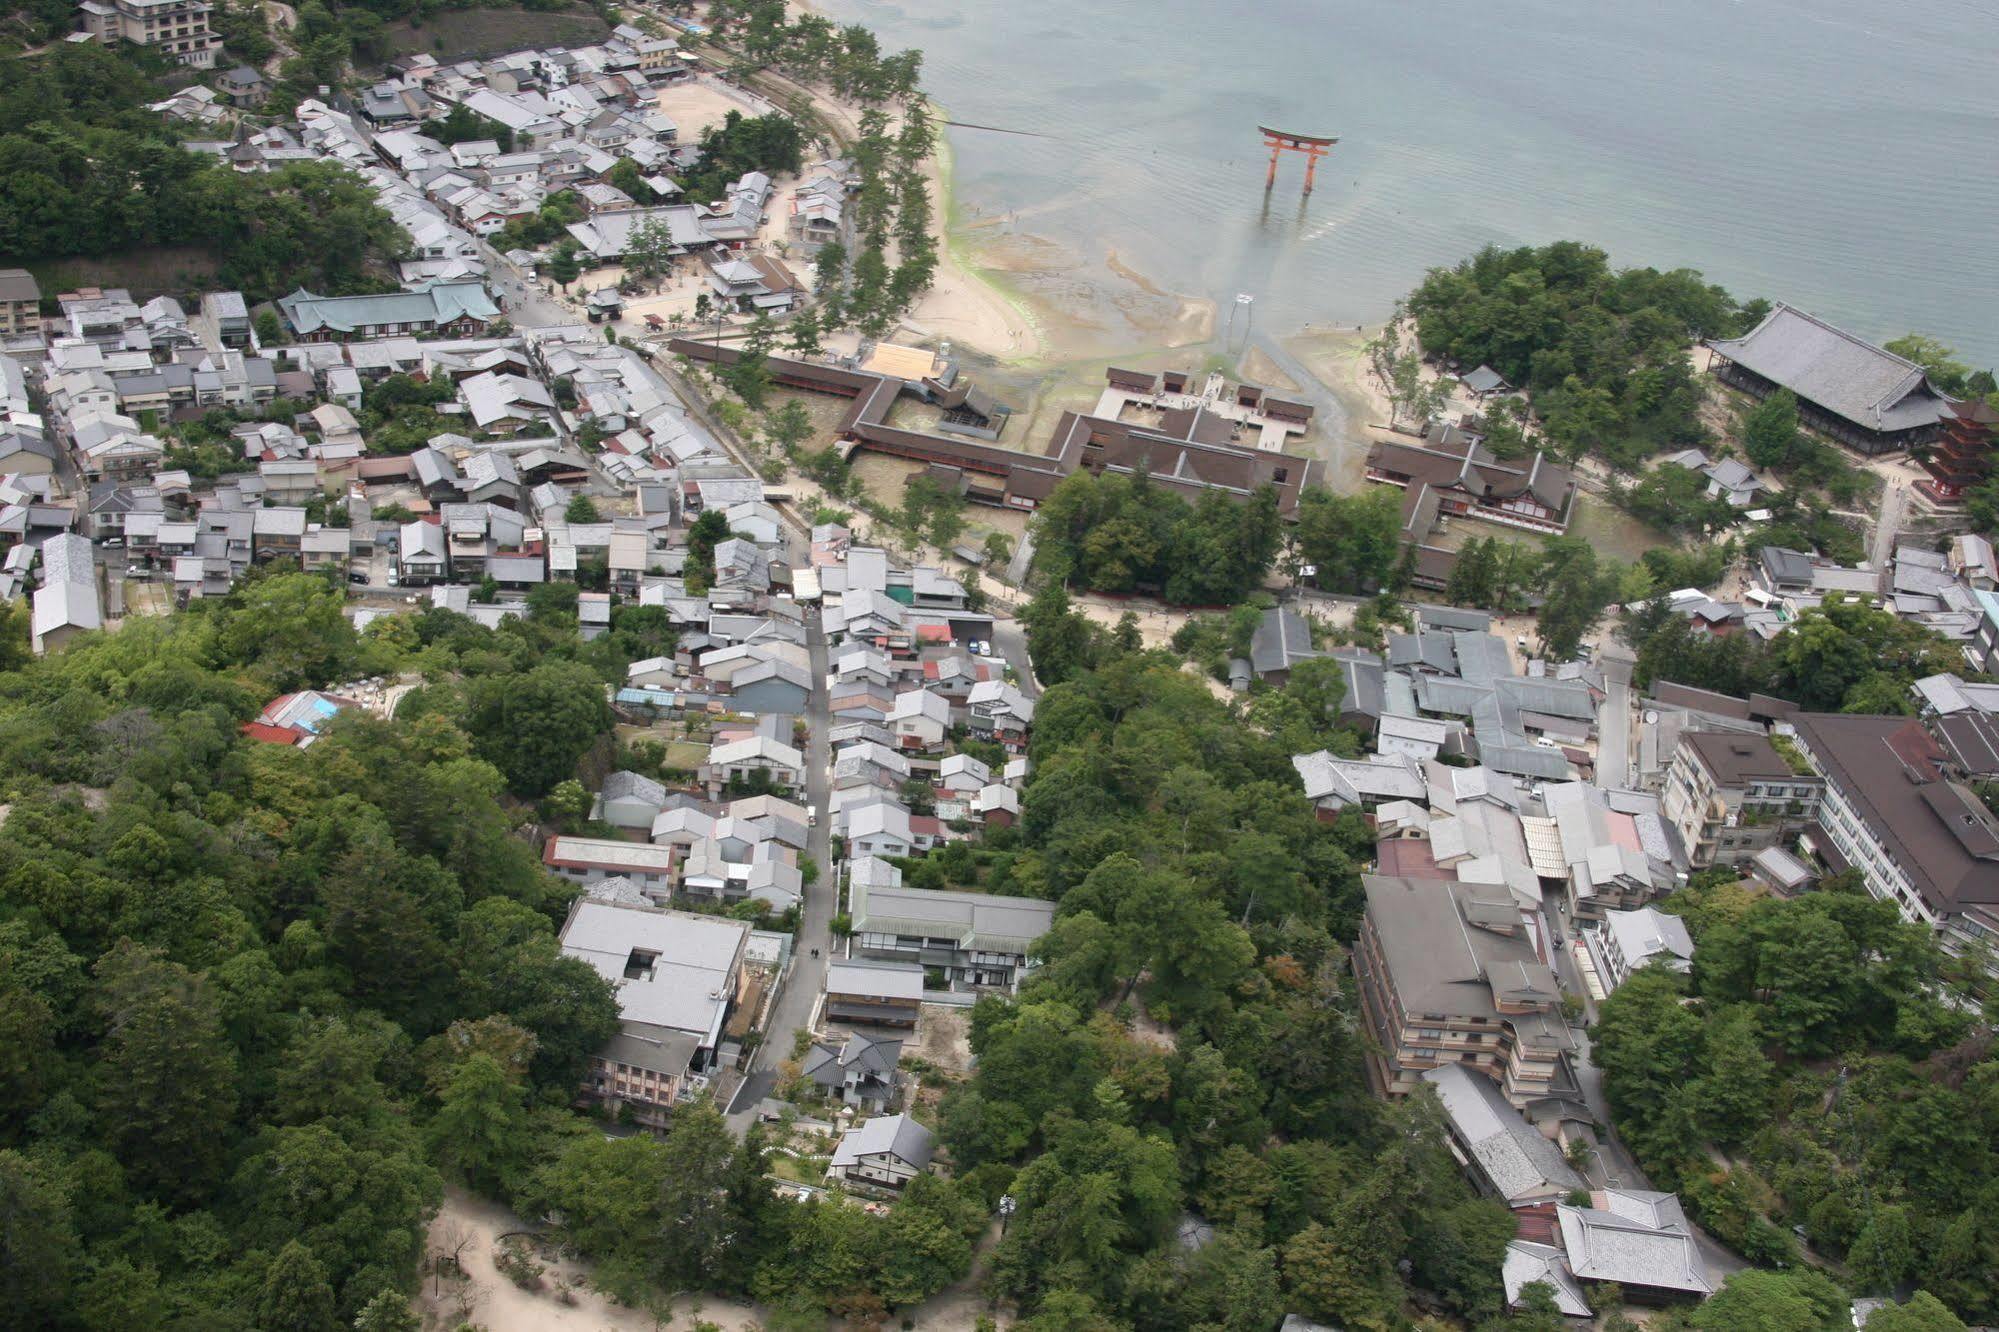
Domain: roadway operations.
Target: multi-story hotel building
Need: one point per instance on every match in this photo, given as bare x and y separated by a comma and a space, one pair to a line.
177, 27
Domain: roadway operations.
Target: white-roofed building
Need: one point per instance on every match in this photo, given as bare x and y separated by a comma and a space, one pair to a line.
1528, 1263
1506, 1156
1628, 940
677, 976
67, 602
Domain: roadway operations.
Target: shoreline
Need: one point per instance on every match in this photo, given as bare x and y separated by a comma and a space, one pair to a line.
987, 307
964, 303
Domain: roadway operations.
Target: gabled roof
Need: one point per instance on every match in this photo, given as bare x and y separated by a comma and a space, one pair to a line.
1519, 1162
438, 304
1636, 1239
984, 921
1846, 375
898, 1136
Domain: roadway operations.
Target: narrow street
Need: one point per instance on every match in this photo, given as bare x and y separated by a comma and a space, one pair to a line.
526, 304
814, 940
1613, 724
1894, 507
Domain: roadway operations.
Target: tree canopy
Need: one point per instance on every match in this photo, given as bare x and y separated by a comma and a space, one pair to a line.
1117, 533
1603, 352
259, 1002
1195, 883
1810, 1044
86, 170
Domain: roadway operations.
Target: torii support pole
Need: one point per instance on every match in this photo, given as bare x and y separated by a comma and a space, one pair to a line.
1313, 146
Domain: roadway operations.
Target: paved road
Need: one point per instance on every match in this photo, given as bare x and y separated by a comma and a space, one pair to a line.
1010, 643
528, 306
1613, 724
1894, 507
1613, 1166
807, 977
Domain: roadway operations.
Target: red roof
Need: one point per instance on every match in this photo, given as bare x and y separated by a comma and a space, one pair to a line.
934, 633
271, 735
926, 825
1409, 858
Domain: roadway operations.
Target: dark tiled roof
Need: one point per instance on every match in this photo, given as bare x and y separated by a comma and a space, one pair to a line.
1892, 773
1736, 760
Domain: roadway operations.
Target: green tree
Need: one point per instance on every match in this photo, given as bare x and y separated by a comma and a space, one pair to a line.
1885, 1254
695, 1219
1576, 588
1921, 1312
291, 629
388, 1311
580, 509
804, 328
1756, 1301
650, 249
166, 1074
829, 282
1353, 542
536, 725
1770, 430
564, 267
480, 1130
1946, 372
295, 1296
703, 535
789, 426
38, 1245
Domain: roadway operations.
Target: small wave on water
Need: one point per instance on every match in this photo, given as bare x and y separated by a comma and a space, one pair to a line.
1831, 153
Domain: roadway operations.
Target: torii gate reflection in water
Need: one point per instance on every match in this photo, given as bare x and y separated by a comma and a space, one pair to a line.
1314, 146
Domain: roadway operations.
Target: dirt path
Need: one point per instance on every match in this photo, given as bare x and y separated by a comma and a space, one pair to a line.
495, 1303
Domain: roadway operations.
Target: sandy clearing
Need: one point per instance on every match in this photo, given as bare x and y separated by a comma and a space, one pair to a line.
498, 1305
961, 304
704, 100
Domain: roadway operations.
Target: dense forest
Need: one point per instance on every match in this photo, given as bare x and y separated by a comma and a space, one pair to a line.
85, 169
1808, 1076
259, 1003
1602, 351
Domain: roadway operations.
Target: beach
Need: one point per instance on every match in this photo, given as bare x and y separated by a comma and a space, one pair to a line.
962, 305
1049, 315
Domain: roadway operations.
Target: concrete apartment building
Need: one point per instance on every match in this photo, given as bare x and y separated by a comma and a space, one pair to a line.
178, 28
1449, 973
678, 978
1891, 811
20, 302
1732, 795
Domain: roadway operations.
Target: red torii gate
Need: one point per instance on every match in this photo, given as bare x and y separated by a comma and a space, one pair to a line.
1314, 146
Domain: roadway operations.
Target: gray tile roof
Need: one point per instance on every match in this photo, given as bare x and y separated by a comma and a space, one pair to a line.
1847, 376
1522, 1165
1635, 1239
899, 1136
1281, 639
